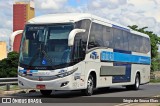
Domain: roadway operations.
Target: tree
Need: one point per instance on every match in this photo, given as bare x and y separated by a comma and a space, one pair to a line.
9, 65
155, 41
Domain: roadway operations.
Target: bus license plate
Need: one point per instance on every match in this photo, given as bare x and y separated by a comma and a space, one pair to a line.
41, 87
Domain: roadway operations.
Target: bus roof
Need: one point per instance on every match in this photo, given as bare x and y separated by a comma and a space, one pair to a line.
74, 17
60, 18
138, 33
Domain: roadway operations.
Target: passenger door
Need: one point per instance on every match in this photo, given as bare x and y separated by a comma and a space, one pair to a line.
79, 53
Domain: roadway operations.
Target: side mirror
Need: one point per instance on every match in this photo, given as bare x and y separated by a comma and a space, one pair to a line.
12, 37
72, 35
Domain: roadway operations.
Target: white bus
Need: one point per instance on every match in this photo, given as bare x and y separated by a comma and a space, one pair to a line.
79, 51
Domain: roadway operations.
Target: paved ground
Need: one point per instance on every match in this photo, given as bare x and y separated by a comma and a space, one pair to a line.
149, 90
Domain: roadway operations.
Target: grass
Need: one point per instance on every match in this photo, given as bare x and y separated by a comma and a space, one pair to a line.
12, 87
155, 80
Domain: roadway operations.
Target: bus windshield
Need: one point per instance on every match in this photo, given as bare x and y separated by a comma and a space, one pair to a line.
45, 45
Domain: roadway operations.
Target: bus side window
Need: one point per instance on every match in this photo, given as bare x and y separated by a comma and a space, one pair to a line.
144, 45
92, 41
131, 42
107, 37
98, 35
84, 24
125, 39
141, 45
137, 44
118, 39
148, 45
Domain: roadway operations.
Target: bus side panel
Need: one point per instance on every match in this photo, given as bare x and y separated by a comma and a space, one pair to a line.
144, 72
78, 79
144, 69
123, 78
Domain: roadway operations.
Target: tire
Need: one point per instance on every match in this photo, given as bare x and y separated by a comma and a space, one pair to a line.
136, 84
46, 92
90, 86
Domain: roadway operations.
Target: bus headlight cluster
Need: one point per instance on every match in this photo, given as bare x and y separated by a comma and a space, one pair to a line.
64, 73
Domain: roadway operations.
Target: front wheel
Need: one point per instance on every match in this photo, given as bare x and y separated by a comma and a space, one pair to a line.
90, 86
46, 92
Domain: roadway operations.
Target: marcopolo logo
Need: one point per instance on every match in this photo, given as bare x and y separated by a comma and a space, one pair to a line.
94, 55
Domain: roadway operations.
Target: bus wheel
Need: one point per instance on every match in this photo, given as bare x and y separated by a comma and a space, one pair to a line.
90, 86
46, 92
136, 84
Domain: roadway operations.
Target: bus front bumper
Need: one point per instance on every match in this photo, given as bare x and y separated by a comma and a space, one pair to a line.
64, 83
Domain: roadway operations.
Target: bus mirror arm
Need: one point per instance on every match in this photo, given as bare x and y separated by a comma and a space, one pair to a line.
72, 35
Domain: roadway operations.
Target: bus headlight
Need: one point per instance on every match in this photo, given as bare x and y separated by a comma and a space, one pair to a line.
64, 73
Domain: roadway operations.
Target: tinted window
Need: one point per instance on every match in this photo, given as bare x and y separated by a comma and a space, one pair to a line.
125, 39
107, 37
145, 45
96, 38
139, 44
131, 42
83, 24
46, 45
148, 45
118, 39
98, 35
136, 45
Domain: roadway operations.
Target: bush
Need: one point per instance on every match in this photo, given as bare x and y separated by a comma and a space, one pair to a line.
9, 65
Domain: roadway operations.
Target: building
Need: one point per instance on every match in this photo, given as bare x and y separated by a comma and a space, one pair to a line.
22, 12
3, 50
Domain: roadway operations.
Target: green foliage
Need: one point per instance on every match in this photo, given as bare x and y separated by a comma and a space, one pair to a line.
155, 40
9, 65
155, 80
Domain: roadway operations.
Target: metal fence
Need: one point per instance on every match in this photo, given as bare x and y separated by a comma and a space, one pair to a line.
8, 82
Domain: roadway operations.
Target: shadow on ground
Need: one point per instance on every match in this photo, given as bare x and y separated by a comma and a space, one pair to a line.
70, 94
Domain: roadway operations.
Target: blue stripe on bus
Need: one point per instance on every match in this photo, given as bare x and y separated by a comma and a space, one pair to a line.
127, 76
121, 28
123, 57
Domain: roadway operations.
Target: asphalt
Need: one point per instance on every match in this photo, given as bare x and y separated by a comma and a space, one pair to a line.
149, 90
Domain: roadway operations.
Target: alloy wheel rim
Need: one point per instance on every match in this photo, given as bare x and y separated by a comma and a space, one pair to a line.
90, 85
137, 82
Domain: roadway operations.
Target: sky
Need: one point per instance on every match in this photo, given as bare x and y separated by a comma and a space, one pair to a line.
126, 12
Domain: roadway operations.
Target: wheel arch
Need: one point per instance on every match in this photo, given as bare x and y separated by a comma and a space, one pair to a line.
138, 72
94, 74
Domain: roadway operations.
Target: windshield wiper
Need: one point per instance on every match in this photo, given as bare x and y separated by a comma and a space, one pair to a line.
34, 57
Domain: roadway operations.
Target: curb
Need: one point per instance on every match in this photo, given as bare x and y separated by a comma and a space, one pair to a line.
153, 84
15, 91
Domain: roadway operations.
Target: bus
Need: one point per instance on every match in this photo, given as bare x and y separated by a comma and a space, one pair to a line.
81, 51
